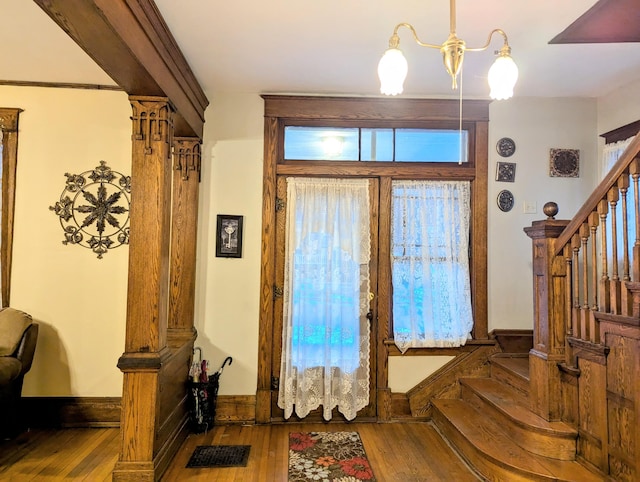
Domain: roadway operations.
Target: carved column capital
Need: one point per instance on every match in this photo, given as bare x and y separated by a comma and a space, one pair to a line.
187, 156
9, 119
153, 120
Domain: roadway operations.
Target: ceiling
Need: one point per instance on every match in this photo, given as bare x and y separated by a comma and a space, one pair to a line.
333, 46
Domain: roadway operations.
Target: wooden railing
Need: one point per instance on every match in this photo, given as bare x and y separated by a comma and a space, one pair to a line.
586, 346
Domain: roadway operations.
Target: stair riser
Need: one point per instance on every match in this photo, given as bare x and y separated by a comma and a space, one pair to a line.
510, 378
544, 444
486, 466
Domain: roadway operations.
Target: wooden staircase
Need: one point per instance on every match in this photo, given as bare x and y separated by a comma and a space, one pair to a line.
493, 429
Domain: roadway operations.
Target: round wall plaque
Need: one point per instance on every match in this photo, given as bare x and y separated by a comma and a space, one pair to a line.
505, 200
506, 147
94, 209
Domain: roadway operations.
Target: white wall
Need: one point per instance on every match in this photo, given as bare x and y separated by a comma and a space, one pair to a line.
227, 289
536, 125
619, 108
78, 300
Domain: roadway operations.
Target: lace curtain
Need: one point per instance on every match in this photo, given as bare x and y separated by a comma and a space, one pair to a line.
325, 339
430, 263
611, 153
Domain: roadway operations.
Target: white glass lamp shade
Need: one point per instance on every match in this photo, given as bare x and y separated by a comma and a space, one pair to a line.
503, 75
392, 70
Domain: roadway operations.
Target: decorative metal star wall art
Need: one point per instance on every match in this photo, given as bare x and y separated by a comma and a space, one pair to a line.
94, 209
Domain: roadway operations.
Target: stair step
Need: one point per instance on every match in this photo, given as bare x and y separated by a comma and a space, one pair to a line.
512, 369
511, 411
493, 453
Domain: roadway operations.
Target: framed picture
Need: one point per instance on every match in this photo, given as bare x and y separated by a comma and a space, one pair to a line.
506, 171
229, 236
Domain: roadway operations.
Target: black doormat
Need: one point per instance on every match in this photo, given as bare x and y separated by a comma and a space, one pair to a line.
219, 456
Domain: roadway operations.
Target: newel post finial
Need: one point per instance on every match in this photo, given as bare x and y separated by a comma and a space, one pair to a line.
550, 209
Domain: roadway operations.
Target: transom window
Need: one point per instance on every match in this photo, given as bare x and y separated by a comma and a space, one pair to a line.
375, 144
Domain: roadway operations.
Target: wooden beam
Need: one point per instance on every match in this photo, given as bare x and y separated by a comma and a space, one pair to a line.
131, 42
607, 21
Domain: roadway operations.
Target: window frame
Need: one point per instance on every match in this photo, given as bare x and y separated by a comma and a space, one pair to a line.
9, 128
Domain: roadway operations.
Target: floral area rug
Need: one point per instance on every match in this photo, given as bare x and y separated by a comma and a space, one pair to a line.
328, 456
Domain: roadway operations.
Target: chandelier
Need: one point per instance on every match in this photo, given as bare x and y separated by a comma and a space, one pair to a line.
393, 67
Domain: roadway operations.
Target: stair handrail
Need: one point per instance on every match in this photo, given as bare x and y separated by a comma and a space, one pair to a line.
619, 168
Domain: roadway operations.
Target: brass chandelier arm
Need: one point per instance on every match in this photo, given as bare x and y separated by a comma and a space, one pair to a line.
505, 46
394, 41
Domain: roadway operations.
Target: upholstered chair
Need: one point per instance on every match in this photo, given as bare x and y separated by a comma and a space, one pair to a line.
18, 336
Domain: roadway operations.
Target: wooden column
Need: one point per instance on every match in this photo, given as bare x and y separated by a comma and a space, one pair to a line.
184, 231
146, 348
550, 285
9, 132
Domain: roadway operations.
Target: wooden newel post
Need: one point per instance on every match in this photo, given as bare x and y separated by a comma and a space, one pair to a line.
550, 287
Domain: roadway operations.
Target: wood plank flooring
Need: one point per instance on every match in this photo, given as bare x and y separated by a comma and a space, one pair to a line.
398, 452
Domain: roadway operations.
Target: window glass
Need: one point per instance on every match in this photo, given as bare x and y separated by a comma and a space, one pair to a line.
431, 145
321, 143
375, 144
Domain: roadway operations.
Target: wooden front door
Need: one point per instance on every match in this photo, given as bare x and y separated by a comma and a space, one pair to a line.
277, 414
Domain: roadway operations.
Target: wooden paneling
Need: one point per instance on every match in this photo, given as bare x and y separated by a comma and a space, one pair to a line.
623, 399
592, 403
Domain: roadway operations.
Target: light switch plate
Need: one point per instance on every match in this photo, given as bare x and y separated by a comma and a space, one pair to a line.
530, 207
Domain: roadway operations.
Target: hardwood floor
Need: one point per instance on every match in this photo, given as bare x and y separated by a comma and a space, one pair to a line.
398, 452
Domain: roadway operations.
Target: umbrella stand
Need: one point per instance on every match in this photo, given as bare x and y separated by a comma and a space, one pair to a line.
203, 392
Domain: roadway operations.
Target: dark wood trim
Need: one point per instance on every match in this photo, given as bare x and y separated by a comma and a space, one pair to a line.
470, 346
9, 118
382, 169
621, 133
235, 409
60, 85
588, 351
478, 232
607, 21
443, 383
513, 340
131, 42
368, 108
94, 412
65, 412
267, 272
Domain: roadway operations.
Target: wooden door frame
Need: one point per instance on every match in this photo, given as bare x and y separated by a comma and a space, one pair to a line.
280, 110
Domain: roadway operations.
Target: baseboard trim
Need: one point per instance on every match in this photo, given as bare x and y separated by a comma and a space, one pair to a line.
235, 409
67, 412
513, 340
104, 412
